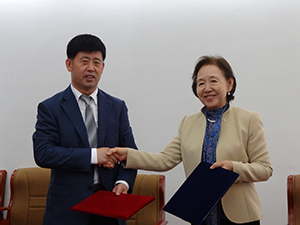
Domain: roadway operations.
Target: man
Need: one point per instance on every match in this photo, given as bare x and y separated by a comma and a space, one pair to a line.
63, 140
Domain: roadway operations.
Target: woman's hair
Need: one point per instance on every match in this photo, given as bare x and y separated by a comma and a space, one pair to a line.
223, 66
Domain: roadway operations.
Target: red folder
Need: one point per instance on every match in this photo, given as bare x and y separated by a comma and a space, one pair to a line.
106, 203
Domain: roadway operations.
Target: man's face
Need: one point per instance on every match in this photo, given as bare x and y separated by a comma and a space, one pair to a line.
86, 69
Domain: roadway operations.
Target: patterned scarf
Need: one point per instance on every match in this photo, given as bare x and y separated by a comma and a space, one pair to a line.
213, 127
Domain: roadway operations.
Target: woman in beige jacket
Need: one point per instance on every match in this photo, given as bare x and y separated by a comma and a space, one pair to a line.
223, 135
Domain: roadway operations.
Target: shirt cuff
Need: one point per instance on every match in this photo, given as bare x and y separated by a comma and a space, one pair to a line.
94, 156
123, 182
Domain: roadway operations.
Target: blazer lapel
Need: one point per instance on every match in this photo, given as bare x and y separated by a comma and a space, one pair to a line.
104, 110
72, 110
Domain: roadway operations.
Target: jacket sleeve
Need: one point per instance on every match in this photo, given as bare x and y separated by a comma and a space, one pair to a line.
258, 166
49, 151
162, 161
126, 139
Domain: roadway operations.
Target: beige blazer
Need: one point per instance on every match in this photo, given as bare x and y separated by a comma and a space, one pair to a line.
241, 141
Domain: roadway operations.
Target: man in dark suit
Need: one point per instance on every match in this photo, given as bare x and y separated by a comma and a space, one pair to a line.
61, 140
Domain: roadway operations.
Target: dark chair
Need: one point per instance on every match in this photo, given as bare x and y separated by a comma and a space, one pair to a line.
293, 199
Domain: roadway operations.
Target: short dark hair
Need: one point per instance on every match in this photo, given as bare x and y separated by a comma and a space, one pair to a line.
85, 43
222, 64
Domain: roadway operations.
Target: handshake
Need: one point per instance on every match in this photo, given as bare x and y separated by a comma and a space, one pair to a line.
108, 157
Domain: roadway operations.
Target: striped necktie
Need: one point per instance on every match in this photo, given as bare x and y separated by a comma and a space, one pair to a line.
90, 123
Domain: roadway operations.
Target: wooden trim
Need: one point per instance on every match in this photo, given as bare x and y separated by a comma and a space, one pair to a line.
6, 221
3, 174
162, 222
290, 200
161, 197
11, 192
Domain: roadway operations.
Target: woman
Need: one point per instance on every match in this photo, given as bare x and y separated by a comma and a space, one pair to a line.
223, 135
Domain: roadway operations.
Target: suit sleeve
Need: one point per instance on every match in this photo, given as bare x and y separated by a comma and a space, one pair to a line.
49, 151
126, 139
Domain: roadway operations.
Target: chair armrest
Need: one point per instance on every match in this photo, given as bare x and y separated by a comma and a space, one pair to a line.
4, 221
3, 208
162, 222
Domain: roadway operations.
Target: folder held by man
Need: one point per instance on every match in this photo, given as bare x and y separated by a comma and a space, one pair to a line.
108, 204
200, 193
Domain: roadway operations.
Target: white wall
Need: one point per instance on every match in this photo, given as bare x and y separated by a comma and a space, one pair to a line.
153, 46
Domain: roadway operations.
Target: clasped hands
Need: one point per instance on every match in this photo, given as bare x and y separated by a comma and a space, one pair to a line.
108, 157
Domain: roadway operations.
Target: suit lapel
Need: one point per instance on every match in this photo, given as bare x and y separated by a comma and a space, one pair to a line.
72, 110
104, 110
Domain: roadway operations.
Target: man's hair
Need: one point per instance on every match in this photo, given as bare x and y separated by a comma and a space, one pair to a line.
85, 43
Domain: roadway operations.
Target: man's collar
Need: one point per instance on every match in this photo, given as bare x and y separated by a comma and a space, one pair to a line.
78, 93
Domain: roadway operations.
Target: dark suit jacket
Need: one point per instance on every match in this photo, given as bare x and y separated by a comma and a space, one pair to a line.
61, 143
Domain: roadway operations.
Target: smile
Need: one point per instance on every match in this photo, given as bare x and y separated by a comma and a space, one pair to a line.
209, 97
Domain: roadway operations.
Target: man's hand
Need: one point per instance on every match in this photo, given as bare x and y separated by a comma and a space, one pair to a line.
224, 164
118, 153
108, 161
120, 189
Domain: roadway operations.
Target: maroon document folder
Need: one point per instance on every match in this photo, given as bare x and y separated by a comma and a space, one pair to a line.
106, 203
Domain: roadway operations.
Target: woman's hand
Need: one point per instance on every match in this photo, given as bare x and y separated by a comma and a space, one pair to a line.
119, 153
226, 164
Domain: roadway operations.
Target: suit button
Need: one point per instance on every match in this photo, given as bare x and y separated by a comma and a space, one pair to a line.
90, 188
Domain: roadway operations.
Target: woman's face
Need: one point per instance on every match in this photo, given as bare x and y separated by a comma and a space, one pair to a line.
212, 86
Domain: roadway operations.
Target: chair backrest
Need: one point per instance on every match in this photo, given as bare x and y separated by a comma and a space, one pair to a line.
293, 198
149, 185
29, 187
3, 174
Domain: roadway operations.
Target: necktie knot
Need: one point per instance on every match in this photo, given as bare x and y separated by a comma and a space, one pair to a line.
86, 99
